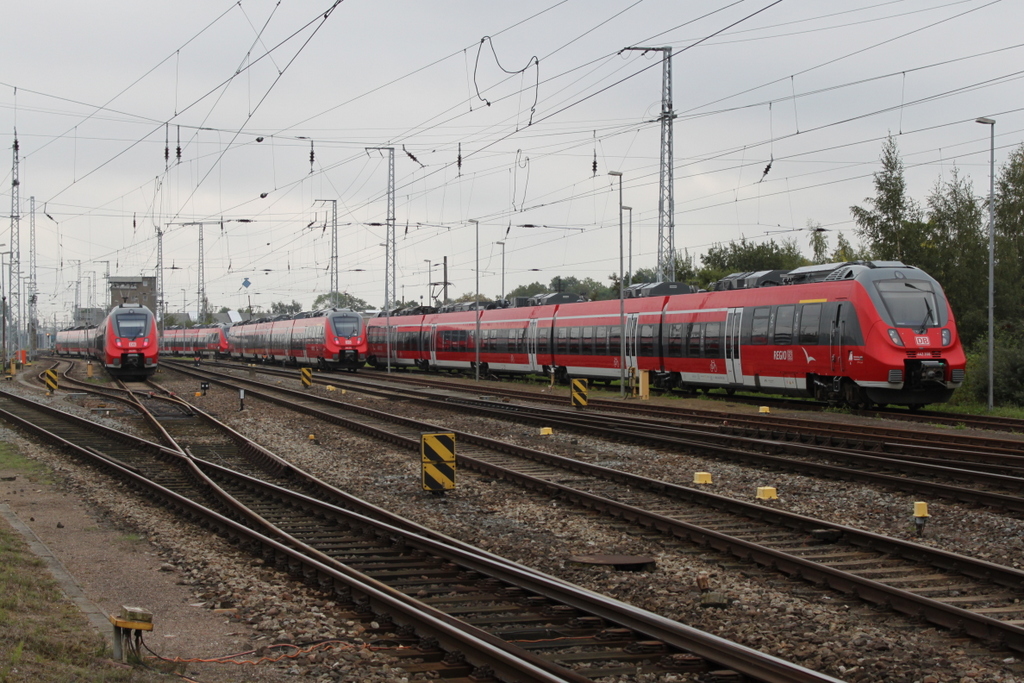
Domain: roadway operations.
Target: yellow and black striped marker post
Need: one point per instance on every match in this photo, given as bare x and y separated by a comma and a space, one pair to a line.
579, 393
307, 377
50, 377
438, 461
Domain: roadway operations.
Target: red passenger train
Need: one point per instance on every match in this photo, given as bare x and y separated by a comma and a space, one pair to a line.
201, 340
126, 342
856, 333
330, 339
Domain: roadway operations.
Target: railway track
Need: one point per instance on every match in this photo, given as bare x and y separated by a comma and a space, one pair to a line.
905, 461
967, 595
494, 617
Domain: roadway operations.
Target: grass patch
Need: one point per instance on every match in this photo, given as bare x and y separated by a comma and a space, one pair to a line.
12, 461
43, 636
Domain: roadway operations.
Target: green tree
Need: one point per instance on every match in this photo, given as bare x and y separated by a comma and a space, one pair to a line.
892, 226
819, 242
532, 289
960, 248
1009, 237
344, 300
845, 251
743, 257
280, 307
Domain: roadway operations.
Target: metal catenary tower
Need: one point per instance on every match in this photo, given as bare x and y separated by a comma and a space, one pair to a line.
666, 202
14, 273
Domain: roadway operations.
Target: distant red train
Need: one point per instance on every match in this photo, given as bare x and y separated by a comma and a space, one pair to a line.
201, 340
125, 342
330, 339
856, 333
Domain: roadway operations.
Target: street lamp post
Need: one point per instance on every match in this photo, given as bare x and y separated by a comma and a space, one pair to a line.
430, 275
991, 123
476, 299
502, 270
629, 251
622, 298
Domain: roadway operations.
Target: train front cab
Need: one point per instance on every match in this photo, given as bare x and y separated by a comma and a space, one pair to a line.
913, 353
130, 345
346, 340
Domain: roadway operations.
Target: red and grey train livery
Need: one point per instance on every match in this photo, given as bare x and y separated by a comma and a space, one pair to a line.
126, 342
857, 333
331, 339
201, 340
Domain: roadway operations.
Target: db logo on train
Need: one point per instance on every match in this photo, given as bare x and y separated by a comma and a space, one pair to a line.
923, 341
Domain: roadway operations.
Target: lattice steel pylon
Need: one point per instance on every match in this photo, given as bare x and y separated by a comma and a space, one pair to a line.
666, 271
14, 273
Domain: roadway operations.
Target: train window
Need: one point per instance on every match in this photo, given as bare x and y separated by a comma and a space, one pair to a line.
601, 340
759, 328
647, 347
674, 342
615, 340
810, 320
131, 325
850, 325
784, 325
713, 340
544, 340
911, 303
693, 345
574, 340
562, 340
587, 344
346, 326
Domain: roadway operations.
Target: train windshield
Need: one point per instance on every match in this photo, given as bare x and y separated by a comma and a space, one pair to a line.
911, 303
131, 325
346, 325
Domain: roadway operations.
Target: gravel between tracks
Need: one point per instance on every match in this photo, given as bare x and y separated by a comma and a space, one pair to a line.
818, 629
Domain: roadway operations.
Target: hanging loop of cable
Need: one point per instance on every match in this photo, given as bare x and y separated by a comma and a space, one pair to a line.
533, 61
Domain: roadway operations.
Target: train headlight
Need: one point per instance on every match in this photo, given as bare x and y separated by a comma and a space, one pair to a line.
894, 335
337, 341
947, 336
117, 342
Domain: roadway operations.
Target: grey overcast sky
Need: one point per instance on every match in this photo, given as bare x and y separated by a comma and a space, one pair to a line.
99, 90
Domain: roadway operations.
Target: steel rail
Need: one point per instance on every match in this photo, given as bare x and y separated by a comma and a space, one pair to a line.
958, 619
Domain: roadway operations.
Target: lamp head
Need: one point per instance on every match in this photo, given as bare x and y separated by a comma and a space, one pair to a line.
987, 121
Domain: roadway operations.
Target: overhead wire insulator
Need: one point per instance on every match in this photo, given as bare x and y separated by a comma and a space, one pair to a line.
459, 162
167, 146
179, 145
593, 168
312, 156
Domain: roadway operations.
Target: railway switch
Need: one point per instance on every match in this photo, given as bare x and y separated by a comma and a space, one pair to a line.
701, 477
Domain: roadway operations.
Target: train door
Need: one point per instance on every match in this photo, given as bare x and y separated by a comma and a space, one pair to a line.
631, 340
432, 345
835, 341
734, 373
531, 346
